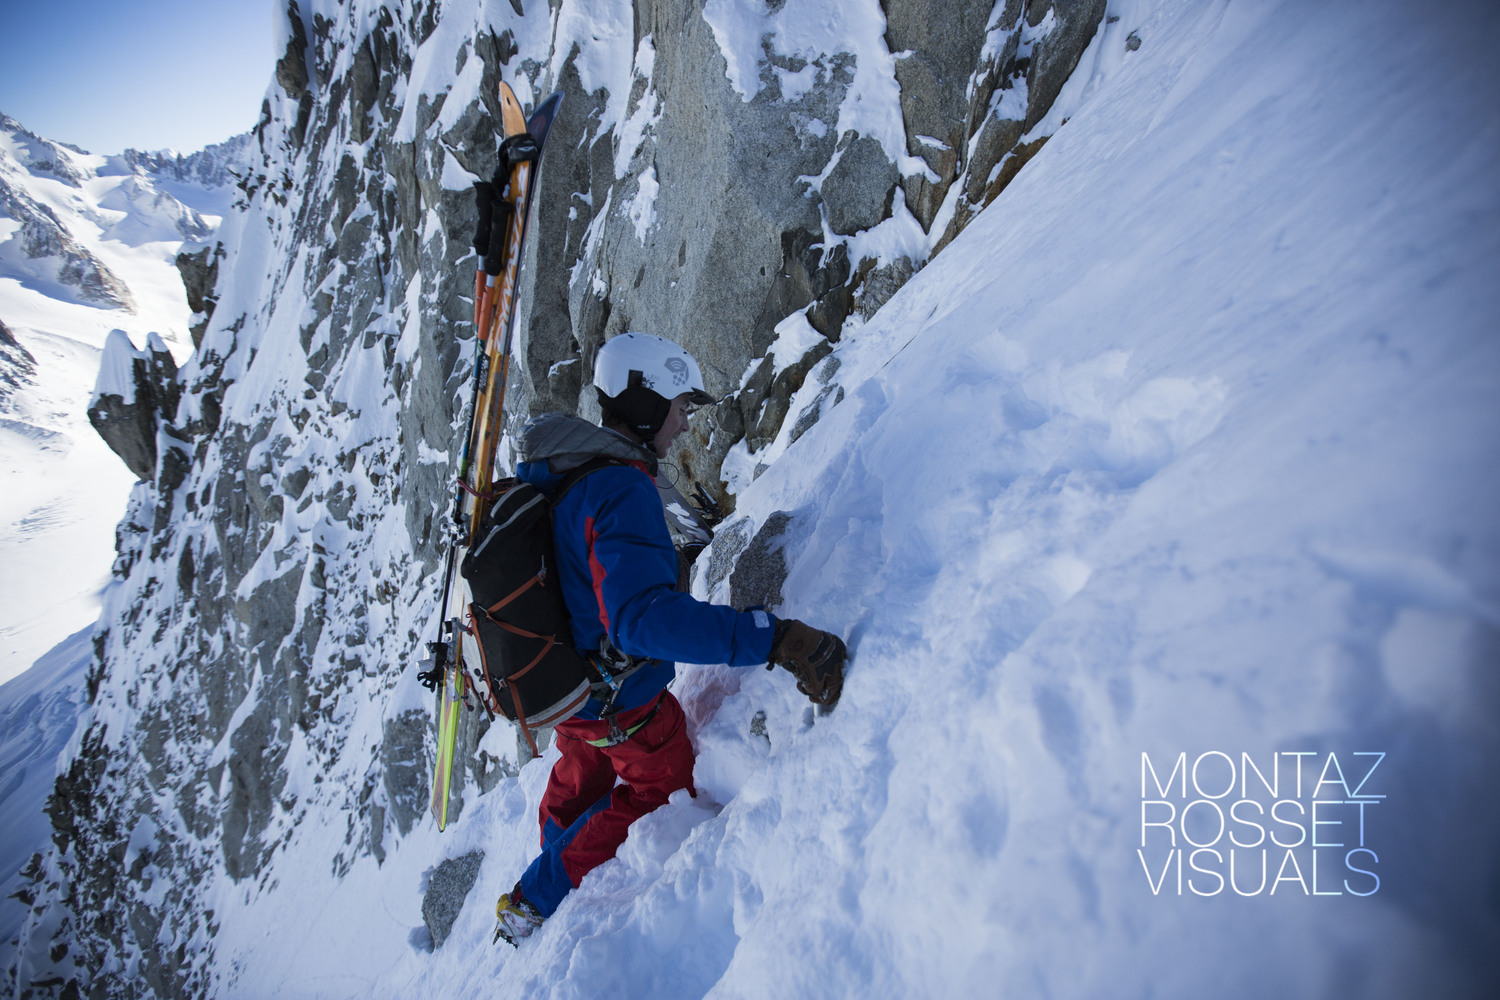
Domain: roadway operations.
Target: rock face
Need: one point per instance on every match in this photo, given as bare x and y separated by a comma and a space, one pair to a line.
200, 273
17, 366
136, 394
710, 215
279, 566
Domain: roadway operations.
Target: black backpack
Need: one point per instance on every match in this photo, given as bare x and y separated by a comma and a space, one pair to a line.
517, 644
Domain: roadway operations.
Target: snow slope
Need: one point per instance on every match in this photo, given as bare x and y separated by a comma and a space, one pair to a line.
1186, 446
37, 713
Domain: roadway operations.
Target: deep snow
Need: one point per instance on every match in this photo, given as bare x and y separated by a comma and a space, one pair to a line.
1186, 446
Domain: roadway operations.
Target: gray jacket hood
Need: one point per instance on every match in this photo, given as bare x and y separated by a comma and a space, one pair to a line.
565, 442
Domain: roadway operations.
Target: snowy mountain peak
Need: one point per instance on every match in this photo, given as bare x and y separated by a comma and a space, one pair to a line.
40, 155
216, 166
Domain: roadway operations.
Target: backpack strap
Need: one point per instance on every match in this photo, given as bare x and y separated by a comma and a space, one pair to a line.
611, 666
572, 477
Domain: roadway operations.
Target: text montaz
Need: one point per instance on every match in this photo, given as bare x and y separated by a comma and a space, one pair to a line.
1218, 824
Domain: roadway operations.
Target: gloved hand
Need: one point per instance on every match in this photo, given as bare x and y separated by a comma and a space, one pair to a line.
815, 658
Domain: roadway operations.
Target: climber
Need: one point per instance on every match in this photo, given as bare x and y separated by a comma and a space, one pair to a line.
630, 614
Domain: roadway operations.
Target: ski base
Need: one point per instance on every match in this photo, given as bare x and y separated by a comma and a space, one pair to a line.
450, 702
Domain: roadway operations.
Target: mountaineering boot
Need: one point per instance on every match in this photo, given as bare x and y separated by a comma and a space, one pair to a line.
515, 917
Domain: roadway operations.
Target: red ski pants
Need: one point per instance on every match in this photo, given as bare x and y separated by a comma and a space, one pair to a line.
653, 763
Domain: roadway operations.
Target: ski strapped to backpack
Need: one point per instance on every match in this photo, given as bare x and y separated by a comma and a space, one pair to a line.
504, 205
517, 646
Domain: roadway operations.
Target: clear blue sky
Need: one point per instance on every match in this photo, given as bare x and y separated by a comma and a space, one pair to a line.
107, 74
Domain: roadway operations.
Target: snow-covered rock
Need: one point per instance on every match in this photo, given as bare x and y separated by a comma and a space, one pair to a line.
765, 159
17, 366
135, 394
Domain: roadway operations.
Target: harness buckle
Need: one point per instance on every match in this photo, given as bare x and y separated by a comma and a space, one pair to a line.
616, 734
612, 661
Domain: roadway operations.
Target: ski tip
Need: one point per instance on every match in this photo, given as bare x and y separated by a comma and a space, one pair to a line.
540, 121
512, 118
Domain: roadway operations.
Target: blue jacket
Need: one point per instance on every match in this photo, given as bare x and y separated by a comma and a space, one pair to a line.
618, 568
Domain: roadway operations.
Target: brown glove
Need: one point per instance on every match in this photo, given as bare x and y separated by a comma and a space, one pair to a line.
815, 658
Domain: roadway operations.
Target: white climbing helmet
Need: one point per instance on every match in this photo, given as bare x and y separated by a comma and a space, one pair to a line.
643, 360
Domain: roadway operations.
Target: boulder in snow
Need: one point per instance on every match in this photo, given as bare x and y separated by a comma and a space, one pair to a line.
447, 887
